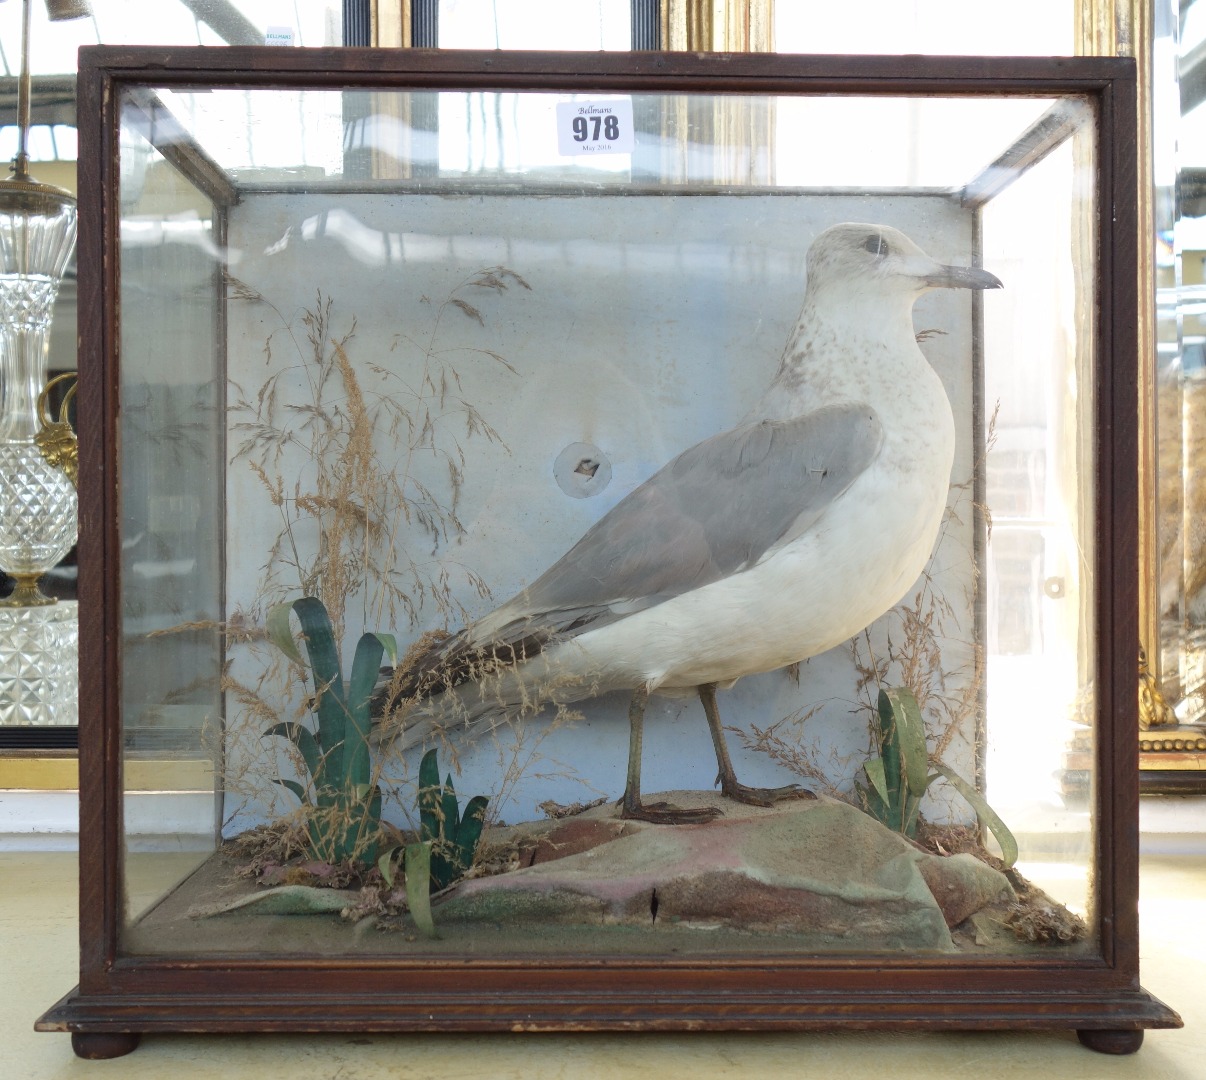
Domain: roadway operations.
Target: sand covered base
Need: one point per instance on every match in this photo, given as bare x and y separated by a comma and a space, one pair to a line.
807, 876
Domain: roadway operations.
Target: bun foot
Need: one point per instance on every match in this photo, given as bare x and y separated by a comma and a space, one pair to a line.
100, 1045
1111, 1042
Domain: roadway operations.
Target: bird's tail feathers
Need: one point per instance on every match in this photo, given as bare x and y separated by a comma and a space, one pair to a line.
495, 688
439, 661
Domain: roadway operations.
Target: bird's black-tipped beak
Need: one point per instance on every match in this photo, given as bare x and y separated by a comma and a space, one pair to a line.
963, 277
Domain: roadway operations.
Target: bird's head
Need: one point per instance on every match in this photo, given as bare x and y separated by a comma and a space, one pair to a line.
876, 259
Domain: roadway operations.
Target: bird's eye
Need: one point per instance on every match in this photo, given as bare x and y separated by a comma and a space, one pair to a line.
876, 244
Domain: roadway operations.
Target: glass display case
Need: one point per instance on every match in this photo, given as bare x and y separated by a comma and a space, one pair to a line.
627, 541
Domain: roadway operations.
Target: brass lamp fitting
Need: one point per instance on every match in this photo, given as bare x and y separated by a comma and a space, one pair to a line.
55, 439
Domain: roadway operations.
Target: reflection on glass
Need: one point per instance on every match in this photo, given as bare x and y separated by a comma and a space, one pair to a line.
1040, 586
171, 519
899, 143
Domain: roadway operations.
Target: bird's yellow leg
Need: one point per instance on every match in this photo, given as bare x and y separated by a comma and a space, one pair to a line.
727, 779
632, 807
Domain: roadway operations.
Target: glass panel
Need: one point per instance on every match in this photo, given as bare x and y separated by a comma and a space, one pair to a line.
442, 347
888, 143
1038, 375
172, 520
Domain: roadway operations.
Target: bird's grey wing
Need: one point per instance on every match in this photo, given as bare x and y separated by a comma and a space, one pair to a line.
714, 510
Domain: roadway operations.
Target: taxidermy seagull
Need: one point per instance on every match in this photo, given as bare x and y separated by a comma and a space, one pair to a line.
754, 549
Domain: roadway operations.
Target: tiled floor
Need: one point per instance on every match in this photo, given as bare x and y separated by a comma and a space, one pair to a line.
38, 943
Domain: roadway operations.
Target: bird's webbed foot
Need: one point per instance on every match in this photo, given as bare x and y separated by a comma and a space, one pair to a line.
752, 796
664, 813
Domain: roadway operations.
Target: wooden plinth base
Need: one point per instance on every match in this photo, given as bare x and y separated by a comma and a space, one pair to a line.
103, 1026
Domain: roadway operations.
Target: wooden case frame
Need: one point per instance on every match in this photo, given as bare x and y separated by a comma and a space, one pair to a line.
119, 997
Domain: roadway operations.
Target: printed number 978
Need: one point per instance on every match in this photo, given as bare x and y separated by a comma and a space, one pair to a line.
588, 127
